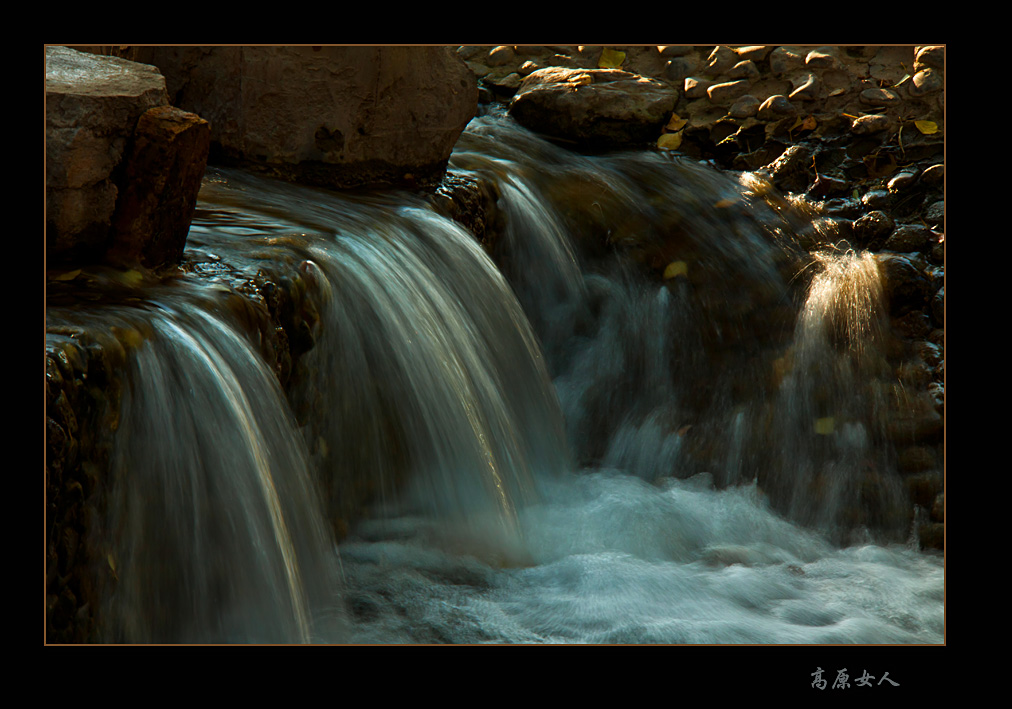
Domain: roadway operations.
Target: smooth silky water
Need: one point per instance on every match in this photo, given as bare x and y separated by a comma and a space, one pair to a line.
557, 449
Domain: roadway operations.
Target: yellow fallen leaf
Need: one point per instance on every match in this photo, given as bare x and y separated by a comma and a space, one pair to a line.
670, 141
68, 276
675, 269
808, 123
836, 92
130, 278
676, 123
824, 426
724, 203
926, 127
611, 59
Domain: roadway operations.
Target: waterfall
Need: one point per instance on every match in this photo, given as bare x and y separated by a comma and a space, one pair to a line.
645, 414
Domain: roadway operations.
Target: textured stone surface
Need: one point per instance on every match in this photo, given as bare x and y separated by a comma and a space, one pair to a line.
594, 106
92, 106
161, 180
334, 116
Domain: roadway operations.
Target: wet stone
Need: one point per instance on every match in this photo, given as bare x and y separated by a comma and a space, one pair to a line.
938, 508
934, 174
938, 307
873, 228
876, 199
902, 181
914, 324
935, 213
908, 238
932, 535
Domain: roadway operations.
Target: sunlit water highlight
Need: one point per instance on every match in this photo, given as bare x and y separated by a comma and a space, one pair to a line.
583, 455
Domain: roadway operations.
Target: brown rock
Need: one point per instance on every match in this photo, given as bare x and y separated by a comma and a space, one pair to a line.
728, 91
162, 178
932, 535
594, 106
92, 106
337, 116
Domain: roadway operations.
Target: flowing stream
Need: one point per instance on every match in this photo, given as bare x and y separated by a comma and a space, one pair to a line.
557, 447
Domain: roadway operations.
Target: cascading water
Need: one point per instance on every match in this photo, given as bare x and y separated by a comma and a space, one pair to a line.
561, 451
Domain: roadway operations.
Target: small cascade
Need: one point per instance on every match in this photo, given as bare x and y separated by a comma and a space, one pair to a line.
831, 407
646, 413
212, 526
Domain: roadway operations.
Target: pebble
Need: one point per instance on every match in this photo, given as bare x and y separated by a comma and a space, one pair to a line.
873, 227
865, 125
931, 56
776, 107
744, 70
528, 67
806, 88
902, 181
721, 59
744, 107
935, 213
934, 174
500, 56
695, 87
679, 68
879, 97
728, 91
783, 60
756, 53
822, 58
876, 199
927, 81
675, 50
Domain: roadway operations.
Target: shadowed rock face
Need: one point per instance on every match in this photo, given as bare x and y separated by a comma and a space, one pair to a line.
330, 116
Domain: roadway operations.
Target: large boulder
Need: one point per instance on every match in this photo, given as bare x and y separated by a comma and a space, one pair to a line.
92, 106
331, 116
594, 107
